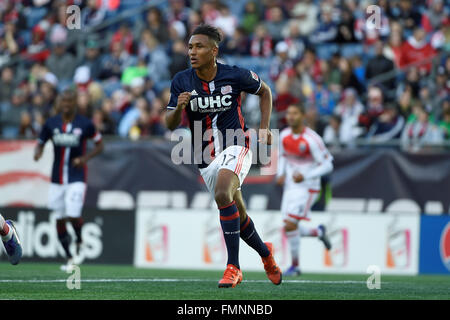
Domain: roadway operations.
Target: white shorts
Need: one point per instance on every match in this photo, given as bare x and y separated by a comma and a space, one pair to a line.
66, 200
296, 203
235, 158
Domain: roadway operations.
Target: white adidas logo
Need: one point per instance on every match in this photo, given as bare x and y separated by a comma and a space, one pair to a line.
194, 93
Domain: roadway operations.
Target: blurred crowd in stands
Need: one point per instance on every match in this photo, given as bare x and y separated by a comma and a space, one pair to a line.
375, 73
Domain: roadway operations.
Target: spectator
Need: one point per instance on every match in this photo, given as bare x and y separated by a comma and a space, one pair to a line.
348, 77
292, 38
84, 104
11, 114
306, 12
93, 58
323, 99
151, 51
6, 84
92, 15
114, 63
12, 14
420, 131
103, 122
283, 100
349, 110
435, 16
408, 15
374, 108
393, 50
327, 29
331, 133
127, 122
226, 21
61, 63
261, 43
238, 44
178, 12
82, 78
346, 28
281, 63
275, 24
179, 58
378, 65
417, 50
250, 17
124, 36
387, 126
444, 124
26, 129
157, 25
37, 51
9, 47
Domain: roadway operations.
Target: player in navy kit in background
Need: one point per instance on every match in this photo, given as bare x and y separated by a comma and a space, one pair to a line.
69, 133
210, 93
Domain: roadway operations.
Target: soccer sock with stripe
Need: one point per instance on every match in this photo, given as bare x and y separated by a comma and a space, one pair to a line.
63, 236
229, 220
251, 237
293, 238
309, 232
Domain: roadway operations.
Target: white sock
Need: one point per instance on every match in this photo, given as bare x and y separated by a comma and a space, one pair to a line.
309, 232
293, 238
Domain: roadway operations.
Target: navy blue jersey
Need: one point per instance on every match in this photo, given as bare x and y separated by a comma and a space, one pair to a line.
215, 107
69, 142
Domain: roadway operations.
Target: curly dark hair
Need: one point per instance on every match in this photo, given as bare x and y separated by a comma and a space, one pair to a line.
209, 31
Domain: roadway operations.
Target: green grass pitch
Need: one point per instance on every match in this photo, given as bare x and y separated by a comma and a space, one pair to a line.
46, 281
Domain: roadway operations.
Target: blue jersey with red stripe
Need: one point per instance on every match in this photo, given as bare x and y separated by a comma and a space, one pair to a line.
214, 110
69, 142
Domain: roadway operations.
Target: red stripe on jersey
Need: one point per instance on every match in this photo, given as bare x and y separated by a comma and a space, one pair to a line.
241, 118
311, 133
85, 166
206, 87
210, 139
242, 122
61, 163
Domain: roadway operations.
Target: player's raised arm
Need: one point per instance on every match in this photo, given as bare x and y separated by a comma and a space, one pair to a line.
173, 115
265, 105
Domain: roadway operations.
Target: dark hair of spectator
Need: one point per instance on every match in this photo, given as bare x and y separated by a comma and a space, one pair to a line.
209, 31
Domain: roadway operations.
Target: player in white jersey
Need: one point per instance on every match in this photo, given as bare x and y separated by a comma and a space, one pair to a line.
303, 159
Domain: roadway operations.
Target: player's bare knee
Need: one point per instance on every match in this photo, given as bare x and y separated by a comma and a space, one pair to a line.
290, 226
222, 197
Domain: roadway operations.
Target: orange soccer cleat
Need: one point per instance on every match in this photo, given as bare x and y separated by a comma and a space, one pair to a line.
231, 277
272, 270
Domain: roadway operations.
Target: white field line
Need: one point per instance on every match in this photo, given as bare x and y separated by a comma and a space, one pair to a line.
175, 280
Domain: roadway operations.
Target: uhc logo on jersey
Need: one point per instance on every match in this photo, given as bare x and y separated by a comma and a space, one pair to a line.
66, 139
211, 104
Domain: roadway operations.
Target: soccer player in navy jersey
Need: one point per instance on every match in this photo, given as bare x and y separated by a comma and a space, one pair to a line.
210, 93
69, 133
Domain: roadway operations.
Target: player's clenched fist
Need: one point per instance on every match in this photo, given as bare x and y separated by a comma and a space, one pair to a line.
183, 99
